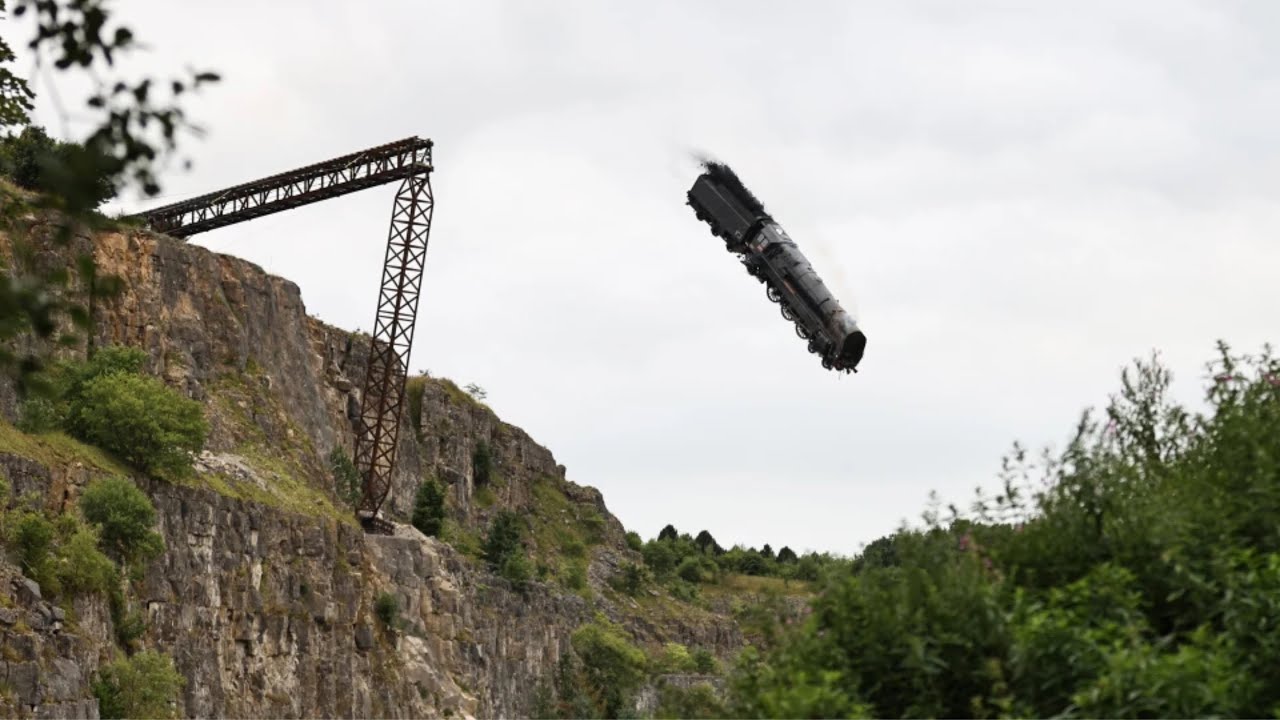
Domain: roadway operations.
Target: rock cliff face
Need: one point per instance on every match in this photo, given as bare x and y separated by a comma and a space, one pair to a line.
265, 596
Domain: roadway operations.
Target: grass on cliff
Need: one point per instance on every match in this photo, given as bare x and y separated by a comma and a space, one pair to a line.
563, 532
56, 449
458, 396
273, 447
280, 488
737, 585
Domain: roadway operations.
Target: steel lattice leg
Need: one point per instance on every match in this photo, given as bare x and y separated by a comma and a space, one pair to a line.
380, 407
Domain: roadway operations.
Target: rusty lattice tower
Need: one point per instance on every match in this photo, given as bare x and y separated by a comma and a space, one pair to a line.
407, 160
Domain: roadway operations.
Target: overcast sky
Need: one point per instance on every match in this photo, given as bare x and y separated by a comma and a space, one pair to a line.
1016, 199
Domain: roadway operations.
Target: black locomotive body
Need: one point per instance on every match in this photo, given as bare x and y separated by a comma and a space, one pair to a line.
720, 199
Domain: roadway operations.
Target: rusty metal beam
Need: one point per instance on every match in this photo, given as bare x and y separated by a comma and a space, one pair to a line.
384, 393
329, 179
407, 160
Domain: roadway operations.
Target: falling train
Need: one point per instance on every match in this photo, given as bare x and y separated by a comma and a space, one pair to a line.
720, 199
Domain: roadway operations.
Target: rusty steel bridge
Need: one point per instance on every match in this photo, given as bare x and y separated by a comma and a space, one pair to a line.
382, 403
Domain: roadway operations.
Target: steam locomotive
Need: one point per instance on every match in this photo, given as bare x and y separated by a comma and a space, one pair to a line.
720, 199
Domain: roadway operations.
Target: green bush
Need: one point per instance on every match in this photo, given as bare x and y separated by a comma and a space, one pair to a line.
130, 625
145, 685
35, 161
612, 667
31, 534
1134, 574
699, 701
387, 608
704, 662
428, 508
41, 415
346, 480
576, 575
503, 538
81, 568
517, 570
675, 658
124, 516
140, 420
631, 580
62, 556
634, 542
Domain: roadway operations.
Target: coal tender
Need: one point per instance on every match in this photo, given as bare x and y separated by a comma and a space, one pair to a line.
721, 200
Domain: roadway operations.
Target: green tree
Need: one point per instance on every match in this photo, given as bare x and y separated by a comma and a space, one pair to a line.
503, 537
612, 666
81, 567
668, 533
145, 685
1136, 573
32, 534
35, 161
140, 420
428, 508
124, 517
707, 543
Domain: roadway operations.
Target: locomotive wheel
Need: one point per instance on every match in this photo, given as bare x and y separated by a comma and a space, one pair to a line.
804, 335
826, 363
813, 346
786, 312
772, 293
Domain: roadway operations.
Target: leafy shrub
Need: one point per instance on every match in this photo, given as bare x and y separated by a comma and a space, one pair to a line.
35, 161
32, 536
81, 567
41, 415
414, 389
675, 658
634, 542
570, 697
660, 556
572, 547
697, 568
576, 575
684, 591
130, 625
517, 570
698, 701
612, 667
124, 516
1130, 575
145, 685
387, 608
428, 508
631, 580
503, 538
704, 662
140, 420
346, 480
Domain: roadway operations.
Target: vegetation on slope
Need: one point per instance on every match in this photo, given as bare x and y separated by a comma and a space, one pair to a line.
1135, 574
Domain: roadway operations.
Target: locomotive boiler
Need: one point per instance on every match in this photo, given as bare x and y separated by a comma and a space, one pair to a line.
720, 199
